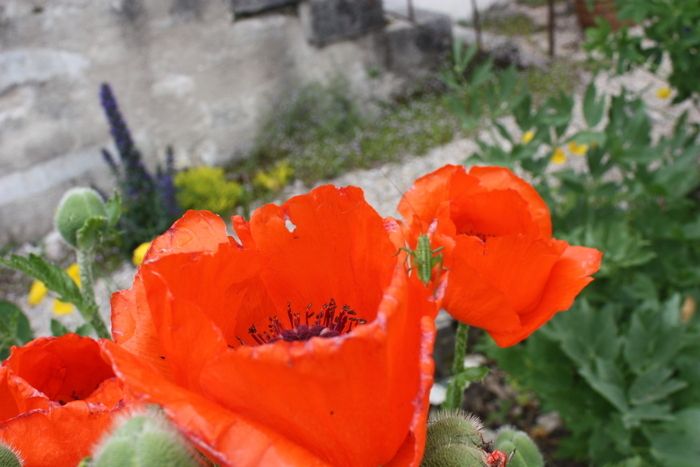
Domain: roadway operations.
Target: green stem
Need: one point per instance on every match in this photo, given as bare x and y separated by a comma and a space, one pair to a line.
89, 309
455, 390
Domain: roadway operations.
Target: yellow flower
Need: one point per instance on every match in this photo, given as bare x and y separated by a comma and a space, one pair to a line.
140, 253
74, 272
61, 308
578, 149
37, 293
276, 178
527, 136
558, 156
663, 92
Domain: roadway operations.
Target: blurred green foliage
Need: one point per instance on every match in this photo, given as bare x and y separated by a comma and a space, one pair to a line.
622, 366
14, 328
667, 29
207, 188
321, 132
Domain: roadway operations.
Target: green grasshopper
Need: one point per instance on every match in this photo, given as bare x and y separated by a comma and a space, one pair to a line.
424, 257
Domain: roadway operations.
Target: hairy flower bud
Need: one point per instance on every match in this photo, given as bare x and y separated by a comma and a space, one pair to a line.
75, 208
447, 428
455, 455
146, 439
8, 458
521, 450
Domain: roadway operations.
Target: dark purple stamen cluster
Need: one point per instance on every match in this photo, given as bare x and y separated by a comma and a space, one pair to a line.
329, 322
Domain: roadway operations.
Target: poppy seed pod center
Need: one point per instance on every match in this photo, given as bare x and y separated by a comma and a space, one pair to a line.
326, 323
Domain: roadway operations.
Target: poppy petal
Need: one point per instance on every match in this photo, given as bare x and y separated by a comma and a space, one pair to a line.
227, 437
326, 380
499, 178
421, 203
195, 231
61, 436
65, 369
358, 398
569, 276
17, 396
344, 238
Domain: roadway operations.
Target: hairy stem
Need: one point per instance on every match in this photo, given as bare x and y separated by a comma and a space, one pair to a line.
89, 309
455, 390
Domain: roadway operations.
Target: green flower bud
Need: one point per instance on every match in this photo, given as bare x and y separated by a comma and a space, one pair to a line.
455, 455
8, 457
77, 206
446, 428
145, 440
518, 444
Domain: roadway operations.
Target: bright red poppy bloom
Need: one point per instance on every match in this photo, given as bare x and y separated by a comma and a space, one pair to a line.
302, 343
58, 395
507, 274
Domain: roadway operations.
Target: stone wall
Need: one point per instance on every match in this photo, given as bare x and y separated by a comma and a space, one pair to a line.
186, 72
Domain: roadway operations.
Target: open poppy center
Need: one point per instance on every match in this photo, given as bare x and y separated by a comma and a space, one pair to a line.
330, 321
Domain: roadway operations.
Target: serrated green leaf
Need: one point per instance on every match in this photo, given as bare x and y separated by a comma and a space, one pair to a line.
55, 278
675, 443
607, 379
653, 340
586, 334
635, 416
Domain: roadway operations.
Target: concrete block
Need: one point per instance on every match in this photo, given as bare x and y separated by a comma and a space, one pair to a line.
327, 21
251, 7
413, 48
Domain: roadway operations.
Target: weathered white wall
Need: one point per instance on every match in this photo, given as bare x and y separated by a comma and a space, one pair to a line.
184, 72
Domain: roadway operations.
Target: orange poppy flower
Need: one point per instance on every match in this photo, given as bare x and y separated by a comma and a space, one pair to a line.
58, 395
303, 342
507, 274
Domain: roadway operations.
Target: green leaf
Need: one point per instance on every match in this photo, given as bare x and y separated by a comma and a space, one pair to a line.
586, 334
113, 208
503, 132
471, 375
55, 278
675, 443
14, 327
460, 381
653, 340
593, 108
607, 379
592, 138
682, 176
637, 415
654, 385
58, 329
84, 330
91, 233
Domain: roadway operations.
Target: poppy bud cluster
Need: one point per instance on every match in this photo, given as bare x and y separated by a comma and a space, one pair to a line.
456, 439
